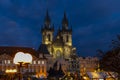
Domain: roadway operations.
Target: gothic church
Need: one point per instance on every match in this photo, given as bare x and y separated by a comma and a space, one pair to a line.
60, 45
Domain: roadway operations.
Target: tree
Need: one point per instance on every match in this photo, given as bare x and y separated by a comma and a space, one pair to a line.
116, 43
110, 60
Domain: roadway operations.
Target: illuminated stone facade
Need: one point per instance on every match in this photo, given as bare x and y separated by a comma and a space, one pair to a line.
60, 45
38, 67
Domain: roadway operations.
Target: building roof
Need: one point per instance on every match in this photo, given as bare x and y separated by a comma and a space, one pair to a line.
43, 49
47, 19
13, 50
95, 75
101, 75
65, 21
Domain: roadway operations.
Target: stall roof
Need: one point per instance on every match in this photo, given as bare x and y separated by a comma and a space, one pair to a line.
101, 75
95, 75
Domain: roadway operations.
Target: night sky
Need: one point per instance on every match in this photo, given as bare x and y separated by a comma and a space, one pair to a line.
95, 22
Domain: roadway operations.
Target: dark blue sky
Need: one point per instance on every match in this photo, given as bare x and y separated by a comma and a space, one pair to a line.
95, 22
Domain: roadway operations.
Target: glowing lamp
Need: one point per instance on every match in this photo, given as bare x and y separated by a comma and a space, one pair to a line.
21, 57
28, 58
11, 71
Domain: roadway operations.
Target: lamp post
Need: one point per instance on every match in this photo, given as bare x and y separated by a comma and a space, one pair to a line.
22, 59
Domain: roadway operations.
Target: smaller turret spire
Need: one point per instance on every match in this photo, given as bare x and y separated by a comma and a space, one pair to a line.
65, 22
47, 19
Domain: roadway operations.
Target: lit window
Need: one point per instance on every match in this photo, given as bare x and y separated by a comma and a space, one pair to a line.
34, 62
42, 62
5, 62
8, 61
38, 62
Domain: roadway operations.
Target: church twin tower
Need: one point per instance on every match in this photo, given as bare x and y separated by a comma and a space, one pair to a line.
60, 45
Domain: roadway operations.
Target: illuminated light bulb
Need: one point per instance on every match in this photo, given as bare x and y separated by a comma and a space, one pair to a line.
19, 57
22, 57
28, 58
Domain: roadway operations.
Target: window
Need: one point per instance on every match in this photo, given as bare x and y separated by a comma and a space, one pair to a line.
58, 53
5, 61
42, 62
8, 61
67, 38
34, 62
49, 37
38, 62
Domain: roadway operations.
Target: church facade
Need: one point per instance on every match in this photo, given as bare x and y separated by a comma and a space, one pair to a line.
60, 45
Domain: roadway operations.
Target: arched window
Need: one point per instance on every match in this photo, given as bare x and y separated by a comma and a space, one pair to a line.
58, 53
67, 38
49, 37
8, 61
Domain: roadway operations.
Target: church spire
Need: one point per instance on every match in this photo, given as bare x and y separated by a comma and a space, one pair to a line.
47, 19
65, 22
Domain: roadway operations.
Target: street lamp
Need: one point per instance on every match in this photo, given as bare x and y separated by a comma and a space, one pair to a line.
22, 59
